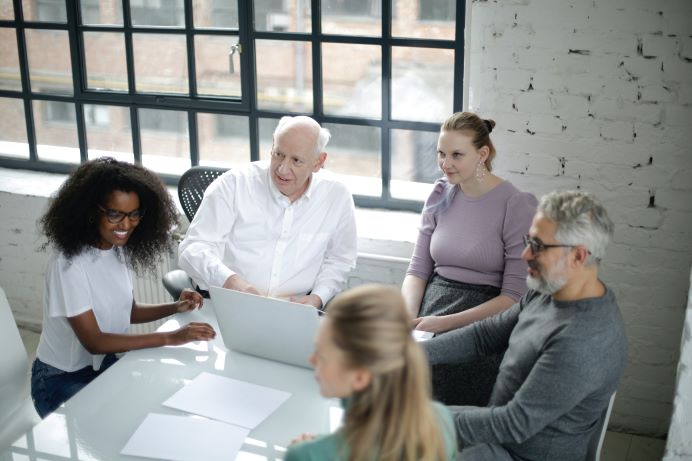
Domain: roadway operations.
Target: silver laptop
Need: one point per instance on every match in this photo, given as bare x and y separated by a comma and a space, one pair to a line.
266, 327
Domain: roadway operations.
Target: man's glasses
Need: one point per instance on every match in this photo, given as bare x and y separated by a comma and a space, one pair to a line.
538, 246
115, 217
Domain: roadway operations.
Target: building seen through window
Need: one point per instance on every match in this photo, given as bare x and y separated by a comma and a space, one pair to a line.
79, 79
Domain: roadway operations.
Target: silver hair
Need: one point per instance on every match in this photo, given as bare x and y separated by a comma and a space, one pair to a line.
581, 219
323, 135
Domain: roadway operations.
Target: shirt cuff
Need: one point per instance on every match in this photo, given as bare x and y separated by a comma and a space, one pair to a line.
325, 295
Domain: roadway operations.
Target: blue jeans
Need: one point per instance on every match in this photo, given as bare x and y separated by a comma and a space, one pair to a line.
51, 387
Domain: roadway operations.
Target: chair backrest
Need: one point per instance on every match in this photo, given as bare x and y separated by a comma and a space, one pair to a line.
13, 360
593, 451
192, 185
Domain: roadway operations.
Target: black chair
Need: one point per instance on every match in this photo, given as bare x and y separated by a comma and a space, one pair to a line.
191, 189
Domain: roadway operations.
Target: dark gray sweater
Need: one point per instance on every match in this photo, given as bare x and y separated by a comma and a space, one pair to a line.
562, 363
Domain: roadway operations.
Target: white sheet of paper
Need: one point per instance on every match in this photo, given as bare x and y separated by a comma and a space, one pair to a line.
229, 400
185, 438
420, 335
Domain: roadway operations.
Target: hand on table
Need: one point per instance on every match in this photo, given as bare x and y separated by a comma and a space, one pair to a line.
431, 323
193, 331
304, 437
235, 282
310, 300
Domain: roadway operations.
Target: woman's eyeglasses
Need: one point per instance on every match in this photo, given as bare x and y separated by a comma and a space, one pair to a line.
115, 217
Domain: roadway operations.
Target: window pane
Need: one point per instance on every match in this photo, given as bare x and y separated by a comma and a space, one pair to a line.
266, 127
352, 77
284, 75
217, 65
422, 83
44, 10
354, 154
160, 63
414, 163
433, 19
165, 140
169, 13
224, 140
6, 10
281, 16
102, 12
10, 79
106, 66
50, 69
13, 128
221, 14
56, 131
108, 132
352, 17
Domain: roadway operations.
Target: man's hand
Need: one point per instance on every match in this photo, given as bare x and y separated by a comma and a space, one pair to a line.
234, 282
311, 300
432, 323
189, 300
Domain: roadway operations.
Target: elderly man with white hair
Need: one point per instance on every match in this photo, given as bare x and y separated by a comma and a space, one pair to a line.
564, 343
284, 228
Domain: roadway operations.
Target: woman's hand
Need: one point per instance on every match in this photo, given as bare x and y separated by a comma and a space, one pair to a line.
193, 331
432, 323
189, 300
304, 437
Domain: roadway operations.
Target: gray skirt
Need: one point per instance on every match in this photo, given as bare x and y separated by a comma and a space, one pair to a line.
470, 383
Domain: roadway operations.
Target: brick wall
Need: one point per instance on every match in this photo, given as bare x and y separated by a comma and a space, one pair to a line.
596, 96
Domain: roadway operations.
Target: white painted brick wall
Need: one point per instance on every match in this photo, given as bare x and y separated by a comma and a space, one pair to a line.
679, 444
598, 95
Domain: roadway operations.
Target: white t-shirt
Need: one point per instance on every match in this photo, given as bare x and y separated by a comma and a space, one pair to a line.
95, 279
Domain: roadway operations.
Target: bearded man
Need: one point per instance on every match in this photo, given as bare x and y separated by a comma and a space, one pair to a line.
564, 343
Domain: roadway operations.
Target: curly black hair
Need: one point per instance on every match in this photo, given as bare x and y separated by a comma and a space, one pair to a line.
71, 222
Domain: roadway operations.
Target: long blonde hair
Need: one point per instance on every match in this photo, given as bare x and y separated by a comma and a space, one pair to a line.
393, 417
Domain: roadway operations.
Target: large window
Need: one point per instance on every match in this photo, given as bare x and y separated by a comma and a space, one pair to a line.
176, 83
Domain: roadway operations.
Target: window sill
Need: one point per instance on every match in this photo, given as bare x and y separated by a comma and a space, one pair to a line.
383, 233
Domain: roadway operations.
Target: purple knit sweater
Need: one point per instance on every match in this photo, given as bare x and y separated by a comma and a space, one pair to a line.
476, 240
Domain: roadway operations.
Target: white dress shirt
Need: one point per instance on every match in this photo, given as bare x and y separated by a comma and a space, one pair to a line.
246, 226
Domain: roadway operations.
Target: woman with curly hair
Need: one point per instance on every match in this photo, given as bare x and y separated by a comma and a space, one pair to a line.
108, 218
365, 354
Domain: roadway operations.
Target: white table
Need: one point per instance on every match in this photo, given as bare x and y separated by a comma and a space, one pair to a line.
97, 422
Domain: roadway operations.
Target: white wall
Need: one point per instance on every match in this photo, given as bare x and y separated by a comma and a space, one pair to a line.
679, 443
596, 95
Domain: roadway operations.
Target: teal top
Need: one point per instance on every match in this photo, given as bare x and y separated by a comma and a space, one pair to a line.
328, 446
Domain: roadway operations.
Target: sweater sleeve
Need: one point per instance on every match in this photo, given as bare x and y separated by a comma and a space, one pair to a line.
519, 213
485, 337
560, 379
422, 264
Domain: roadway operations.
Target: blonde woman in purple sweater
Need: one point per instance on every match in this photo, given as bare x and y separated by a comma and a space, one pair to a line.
466, 265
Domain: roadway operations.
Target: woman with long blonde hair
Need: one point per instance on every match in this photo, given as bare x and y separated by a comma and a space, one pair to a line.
365, 354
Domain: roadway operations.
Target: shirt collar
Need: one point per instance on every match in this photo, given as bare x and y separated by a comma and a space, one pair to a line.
281, 198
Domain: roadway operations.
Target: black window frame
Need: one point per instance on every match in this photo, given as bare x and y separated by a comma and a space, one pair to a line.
246, 105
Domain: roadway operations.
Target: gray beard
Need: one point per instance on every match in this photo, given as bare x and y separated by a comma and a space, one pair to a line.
550, 282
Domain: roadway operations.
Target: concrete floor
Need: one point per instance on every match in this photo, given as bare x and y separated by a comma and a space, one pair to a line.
617, 446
